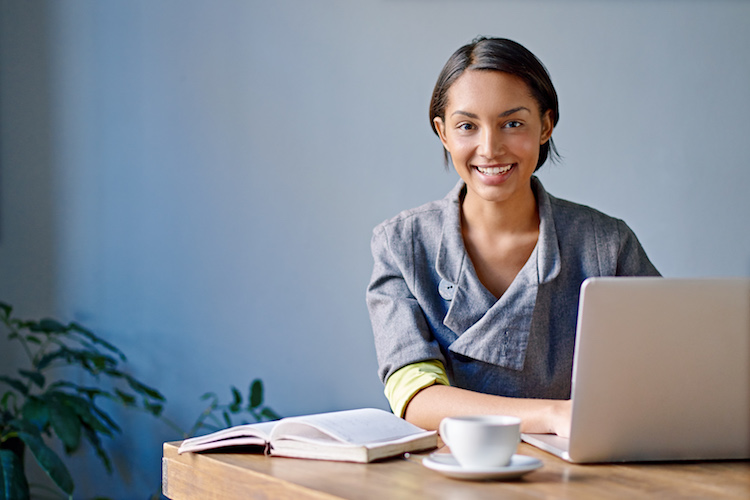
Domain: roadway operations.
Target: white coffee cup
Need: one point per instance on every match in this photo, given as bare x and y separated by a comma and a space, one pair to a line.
483, 441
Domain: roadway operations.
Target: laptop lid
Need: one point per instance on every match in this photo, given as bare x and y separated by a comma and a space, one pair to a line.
661, 370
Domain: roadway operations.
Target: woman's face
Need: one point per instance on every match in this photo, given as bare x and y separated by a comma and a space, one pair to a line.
493, 130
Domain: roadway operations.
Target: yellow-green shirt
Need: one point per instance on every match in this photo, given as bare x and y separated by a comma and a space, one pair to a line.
407, 381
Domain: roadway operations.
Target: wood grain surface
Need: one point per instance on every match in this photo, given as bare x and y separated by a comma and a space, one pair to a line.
252, 475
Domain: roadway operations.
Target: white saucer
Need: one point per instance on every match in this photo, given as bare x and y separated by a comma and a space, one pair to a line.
447, 465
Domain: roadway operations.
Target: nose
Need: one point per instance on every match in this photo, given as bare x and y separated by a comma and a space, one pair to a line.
491, 143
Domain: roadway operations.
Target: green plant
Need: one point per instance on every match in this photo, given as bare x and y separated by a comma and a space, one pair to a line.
37, 404
34, 406
217, 416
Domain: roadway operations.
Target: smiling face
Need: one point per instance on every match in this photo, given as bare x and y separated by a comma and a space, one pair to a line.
493, 129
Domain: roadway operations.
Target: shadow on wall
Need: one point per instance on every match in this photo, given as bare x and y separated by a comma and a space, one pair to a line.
27, 239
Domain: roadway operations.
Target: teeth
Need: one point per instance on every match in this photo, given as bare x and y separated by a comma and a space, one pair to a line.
494, 170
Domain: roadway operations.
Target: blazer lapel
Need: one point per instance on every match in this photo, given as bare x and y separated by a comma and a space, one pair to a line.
490, 330
500, 335
470, 299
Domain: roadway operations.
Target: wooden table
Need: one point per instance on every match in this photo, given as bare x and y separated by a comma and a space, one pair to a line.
236, 475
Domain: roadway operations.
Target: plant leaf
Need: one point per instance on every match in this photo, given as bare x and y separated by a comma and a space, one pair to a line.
16, 384
269, 414
96, 339
47, 325
44, 362
100, 361
13, 484
89, 392
256, 394
86, 413
106, 418
65, 423
21, 325
125, 398
34, 376
154, 408
22, 425
143, 389
227, 420
48, 461
93, 438
6, 308
91, 361
33, 339
234, 407
35, 410
4, 400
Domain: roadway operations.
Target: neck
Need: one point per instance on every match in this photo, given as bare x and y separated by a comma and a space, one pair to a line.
516, 215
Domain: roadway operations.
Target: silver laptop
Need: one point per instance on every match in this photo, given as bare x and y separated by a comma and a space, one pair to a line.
661, 371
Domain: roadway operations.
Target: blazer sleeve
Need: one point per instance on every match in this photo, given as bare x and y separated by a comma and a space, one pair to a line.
401, 331
632, 259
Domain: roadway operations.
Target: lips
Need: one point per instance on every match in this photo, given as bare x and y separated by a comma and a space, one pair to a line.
495, 169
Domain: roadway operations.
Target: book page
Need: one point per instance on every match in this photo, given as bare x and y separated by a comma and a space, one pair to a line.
357, 427
247, 434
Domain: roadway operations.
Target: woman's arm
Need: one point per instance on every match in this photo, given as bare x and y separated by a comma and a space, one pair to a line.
430, 405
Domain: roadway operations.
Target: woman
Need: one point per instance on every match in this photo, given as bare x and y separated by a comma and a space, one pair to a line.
473, 298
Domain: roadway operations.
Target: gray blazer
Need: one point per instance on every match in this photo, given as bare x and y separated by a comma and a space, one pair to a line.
426, 302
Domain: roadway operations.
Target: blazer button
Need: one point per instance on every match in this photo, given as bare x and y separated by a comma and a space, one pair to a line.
446, 289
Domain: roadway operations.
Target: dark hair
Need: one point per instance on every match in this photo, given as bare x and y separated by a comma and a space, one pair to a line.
499, 54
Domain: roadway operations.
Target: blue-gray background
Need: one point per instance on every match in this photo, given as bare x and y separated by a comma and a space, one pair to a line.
197, 181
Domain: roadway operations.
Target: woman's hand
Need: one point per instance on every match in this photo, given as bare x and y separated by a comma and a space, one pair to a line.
543, 416
560, 413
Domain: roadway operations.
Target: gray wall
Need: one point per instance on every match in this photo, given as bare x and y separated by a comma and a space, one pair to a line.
197, 181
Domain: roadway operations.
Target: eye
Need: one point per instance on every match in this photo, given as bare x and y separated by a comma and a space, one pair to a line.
465, 126
513, 124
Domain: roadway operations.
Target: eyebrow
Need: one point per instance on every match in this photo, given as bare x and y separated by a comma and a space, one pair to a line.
501, 115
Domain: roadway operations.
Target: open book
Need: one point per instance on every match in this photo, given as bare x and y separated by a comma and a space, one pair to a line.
361, 435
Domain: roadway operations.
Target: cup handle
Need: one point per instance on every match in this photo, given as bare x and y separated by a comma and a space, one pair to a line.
443, 430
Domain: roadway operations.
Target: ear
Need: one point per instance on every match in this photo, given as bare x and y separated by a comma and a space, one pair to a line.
547, 127
440, 127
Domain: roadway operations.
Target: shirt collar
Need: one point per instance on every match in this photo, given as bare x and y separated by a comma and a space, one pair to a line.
548, 262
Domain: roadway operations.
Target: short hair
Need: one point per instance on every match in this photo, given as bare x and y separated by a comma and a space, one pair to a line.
507, 56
